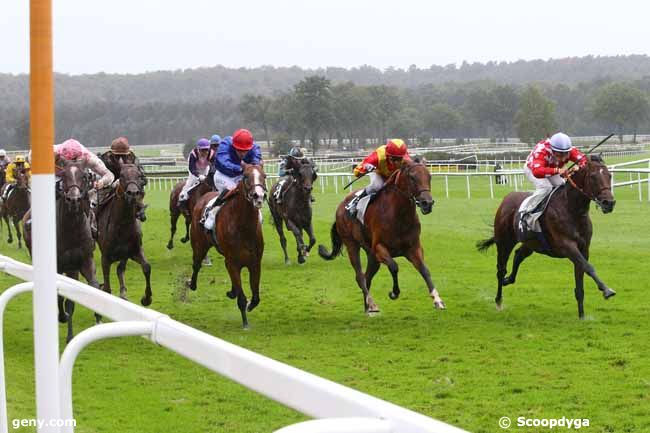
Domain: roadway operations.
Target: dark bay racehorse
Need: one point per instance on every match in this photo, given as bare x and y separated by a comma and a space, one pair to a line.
74, 242
566, 225
119, 231
238, 234
392, 229
295, 209
175, 212
17, 205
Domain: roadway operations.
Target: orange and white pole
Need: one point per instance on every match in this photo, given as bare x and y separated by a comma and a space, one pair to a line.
41, 103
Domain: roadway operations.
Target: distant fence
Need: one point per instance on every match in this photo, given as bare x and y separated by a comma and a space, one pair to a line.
513, 179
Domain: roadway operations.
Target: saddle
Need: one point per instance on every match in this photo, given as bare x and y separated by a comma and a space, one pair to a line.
530, 215
362, 206
216, 202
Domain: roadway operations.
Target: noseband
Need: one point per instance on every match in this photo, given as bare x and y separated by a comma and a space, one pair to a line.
411, 196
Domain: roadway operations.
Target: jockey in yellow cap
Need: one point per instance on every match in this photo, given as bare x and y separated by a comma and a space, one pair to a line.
379, 165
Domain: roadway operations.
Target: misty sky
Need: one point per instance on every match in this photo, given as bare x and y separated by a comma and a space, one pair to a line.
131, 36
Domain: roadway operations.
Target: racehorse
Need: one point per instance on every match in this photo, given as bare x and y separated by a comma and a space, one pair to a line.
238, 235
295, 209
175, 212
391, 229
119, 232
566, 226
16, 205
74, 242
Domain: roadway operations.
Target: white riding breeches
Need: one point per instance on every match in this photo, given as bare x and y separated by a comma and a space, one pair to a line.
543, 183
191, 182
376, 182
221, 181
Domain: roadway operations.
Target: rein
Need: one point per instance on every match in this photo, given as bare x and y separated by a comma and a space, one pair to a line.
593, 198
394, 178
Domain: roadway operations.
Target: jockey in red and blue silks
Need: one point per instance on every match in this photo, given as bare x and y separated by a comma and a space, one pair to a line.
232, 151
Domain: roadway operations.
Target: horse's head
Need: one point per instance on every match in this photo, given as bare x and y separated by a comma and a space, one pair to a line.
595, 182
22, 181
254, 181
131, 183
414, 179
75, 183
305, 173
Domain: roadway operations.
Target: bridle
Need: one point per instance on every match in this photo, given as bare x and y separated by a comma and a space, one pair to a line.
396, 176
593, 198
249, 189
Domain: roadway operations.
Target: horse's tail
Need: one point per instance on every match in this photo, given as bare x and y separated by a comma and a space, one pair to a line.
483, 245
336, 245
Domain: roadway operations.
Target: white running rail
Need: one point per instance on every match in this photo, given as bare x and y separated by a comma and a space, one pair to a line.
337, 408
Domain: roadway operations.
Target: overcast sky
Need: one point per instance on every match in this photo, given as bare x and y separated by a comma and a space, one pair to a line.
132, 36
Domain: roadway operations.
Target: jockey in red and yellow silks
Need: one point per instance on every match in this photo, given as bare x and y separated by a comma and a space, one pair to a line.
379, 165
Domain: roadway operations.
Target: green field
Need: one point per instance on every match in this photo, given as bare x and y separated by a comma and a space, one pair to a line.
468, 365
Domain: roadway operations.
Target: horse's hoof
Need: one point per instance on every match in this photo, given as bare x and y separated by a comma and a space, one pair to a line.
608, 293
69, 339
393, 295
439, 305
245, 327
372, 312
63, 317
184, 240
252, 305
301, 260
123, 296
9, 240
499, 306
507, 281
145, 301
231, 294
287, 262
170, 246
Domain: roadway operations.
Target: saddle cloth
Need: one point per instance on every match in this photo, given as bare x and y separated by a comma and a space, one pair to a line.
362, 206
529, 215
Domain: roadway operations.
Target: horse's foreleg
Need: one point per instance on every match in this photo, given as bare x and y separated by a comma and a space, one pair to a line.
235, 277
146, 270
69, 309
416, 256
312, 238
579, 260
383, 256
254, 274
355, 261
188, 221
300, 244
63, 316
199, 253
121, 269
173, 219
89, 272
579, 275
10, 237
277, 223
503, 253
371, 269
18, 235
521, 254
106, 274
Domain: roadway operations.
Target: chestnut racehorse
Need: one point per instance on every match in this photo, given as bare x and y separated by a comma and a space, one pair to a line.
238, 232
566, 226
391, 229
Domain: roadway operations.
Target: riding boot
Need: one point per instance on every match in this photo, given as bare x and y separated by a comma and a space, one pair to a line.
352, 206
208, 219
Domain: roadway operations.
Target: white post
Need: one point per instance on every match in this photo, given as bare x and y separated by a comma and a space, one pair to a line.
447, 186
640, 190
336, 184
46, 327
516, 185
491, 187
469, 194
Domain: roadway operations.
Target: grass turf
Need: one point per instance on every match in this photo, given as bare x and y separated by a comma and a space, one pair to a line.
468, 365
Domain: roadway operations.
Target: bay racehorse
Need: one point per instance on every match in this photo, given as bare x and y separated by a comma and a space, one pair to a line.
119, 233
238, 234
295, 209
566, 226
175, 211
74, 242
16, 205
391, 229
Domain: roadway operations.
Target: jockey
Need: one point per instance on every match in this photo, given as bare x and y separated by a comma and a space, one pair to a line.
215, 140
286, 168
545, 167
4, 159
379, 165
199, 162
19, 164
231, 153
121, 153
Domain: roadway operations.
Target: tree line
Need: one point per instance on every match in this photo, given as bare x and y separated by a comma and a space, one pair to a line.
357, 107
